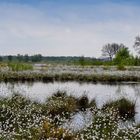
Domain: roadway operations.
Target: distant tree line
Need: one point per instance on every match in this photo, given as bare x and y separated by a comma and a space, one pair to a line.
21, 58
38, 58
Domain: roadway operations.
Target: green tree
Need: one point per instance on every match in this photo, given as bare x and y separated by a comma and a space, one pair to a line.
137, 61
82, 60
19, 57
10, 57
122, 56
1, 58
36, 58
26, 58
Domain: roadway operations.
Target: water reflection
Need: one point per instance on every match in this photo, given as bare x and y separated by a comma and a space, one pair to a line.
79, 121
102, 93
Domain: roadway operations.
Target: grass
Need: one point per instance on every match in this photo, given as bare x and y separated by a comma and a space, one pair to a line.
50, 131
102, 126
21, 118
19, 66
126, 109
60, 104
34, 76
121, 67
2, 65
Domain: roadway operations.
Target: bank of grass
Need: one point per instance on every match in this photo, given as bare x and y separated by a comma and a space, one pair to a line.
45, 77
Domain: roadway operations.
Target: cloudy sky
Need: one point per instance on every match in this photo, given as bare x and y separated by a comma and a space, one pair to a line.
66, 27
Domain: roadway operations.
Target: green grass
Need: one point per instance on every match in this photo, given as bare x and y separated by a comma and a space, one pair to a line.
121, 67
19, 66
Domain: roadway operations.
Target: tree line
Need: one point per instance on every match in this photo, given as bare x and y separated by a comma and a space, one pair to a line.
21, 58
38, 58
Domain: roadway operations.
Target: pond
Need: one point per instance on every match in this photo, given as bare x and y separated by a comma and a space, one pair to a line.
102, 93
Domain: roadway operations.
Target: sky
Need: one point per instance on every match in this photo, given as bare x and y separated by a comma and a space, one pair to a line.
67, 27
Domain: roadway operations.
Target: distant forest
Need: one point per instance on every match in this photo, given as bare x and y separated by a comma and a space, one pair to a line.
38, 58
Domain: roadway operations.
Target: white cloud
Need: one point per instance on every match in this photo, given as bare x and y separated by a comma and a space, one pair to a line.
26, 29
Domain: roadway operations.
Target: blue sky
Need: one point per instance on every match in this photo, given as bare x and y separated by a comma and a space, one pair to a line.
66, 27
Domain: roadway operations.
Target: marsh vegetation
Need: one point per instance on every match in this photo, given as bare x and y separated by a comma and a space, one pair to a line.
69, 111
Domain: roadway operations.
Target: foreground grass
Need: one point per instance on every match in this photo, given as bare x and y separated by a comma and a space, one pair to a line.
21, 119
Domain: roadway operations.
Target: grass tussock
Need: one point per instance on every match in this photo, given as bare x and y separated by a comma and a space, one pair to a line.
59, 104
126, 109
